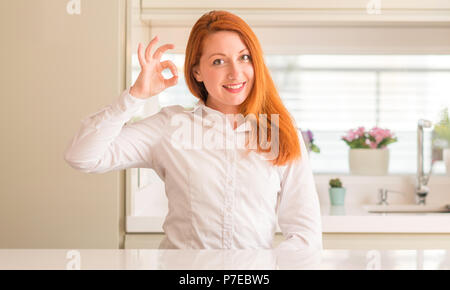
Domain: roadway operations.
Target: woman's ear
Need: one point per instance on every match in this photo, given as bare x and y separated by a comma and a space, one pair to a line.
197, 75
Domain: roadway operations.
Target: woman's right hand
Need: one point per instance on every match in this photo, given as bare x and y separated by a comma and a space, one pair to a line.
150, 81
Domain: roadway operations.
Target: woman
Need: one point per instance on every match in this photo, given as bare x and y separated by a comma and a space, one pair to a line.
220, 197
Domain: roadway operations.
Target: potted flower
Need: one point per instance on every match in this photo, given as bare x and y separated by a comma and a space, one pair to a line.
308, 137
368, 153
442, 137
336, 191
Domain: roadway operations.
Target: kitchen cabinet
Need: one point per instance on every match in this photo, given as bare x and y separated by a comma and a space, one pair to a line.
354, 241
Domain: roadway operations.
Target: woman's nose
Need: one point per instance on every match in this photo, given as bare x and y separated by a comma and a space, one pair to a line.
234, 71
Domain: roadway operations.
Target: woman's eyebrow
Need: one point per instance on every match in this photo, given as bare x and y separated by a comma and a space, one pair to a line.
224, 54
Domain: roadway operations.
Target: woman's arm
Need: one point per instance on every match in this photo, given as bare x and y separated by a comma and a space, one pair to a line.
105, 143
299, 215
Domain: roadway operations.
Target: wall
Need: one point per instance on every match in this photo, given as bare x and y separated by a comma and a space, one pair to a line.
56, 69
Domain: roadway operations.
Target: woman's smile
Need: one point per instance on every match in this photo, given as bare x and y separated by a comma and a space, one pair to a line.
235, 88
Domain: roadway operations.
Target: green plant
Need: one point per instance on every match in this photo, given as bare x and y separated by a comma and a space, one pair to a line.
442, 130
336, 183
308, 136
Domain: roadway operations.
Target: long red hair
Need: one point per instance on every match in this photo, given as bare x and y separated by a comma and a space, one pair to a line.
263, 98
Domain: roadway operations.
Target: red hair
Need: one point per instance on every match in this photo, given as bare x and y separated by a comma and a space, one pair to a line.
263, 97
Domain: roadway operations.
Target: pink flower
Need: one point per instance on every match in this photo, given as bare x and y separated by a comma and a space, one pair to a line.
373, 145
351, 135
360, 131
359, 138
379, 135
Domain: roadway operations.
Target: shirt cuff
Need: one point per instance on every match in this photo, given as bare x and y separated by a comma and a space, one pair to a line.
128, 103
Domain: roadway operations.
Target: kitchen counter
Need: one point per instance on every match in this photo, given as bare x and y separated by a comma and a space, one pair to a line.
354, 219
224, 259
351, 218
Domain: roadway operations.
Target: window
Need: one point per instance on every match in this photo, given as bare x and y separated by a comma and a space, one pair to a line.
330, 94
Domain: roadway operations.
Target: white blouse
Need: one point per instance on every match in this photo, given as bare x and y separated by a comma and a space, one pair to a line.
219, 198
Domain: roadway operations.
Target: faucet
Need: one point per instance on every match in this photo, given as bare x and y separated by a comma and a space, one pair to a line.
383, 195
422, 179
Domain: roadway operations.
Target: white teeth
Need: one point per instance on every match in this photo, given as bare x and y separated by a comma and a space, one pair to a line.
235, 87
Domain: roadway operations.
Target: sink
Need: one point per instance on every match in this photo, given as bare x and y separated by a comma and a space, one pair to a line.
407, 208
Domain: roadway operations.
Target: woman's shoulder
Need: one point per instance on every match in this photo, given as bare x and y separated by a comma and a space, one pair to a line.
174, 112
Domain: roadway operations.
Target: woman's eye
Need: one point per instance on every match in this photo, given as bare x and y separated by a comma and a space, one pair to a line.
218, 61
246, 57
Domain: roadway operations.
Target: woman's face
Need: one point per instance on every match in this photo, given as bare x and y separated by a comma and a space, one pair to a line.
225, 62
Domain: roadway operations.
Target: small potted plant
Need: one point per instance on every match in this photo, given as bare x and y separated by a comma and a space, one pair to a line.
368, 153
442, 137
337, 192
308, 137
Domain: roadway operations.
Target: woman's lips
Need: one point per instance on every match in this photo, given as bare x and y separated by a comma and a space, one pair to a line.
235, 91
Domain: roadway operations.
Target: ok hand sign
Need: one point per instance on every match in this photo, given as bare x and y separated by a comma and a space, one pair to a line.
150, 81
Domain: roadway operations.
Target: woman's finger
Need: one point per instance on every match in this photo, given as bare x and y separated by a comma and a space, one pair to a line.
170, 82
149, 48
171, 66
141, 56
159, 52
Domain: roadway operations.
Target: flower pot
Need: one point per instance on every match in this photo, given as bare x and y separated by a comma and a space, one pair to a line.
337, 195
369, 161
446, 157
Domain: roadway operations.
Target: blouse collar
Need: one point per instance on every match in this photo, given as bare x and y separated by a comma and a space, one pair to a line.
200, 105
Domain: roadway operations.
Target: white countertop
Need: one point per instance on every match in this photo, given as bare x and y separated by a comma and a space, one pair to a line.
224, 259
351, 218
354, 219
